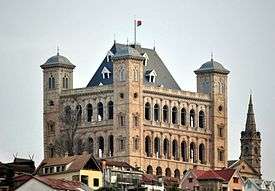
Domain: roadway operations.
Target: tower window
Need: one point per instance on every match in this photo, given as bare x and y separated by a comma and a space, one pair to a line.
89, 109
110, 110
100, 111
65, 82
165, 113
221, 154
51, 82
122, 74
135, 71
201, 119
192, 118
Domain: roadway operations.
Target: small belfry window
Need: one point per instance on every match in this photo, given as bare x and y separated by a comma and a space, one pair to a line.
51, 82
122, 74
105, 73
192, 118
165, 113
201, 119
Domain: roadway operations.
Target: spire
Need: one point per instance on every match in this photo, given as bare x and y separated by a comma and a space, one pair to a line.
212, 57
250, 120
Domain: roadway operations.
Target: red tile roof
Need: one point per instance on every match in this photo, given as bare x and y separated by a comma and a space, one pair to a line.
210, 175
226, 174
60, 184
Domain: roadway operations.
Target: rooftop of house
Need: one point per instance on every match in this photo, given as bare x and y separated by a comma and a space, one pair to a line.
60, 184
72, 163
221, 175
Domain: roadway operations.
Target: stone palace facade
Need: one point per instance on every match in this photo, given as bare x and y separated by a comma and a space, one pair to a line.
133, 110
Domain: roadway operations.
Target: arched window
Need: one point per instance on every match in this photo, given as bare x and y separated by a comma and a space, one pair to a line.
165, 113
135, 72
110, 110
65, 81
78, 112
183, 116
157, 147
90, 145
135, 143
89, 109
147, 112
100, 111
135, 118
174, 115
79, 146
148, 146
68, 111
168, 172
183, 151
166, 148
192, 118
177, 174
122, 74
149, 169
111, 145
100, 147
158, 171
192, 152
202, 153
51, 82
51, 151
175, 149
201, 119
221, 154
156, 112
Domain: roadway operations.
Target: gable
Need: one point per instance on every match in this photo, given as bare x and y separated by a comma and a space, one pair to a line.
34, 184
244, 168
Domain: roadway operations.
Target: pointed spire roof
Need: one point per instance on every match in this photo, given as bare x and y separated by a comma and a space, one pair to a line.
250, 120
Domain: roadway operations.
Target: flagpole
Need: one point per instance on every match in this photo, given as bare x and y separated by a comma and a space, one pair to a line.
135, 32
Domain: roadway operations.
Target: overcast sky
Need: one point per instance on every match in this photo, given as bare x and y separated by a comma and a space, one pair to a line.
241, 34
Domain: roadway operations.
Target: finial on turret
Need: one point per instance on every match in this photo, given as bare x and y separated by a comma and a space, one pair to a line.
154, 48
114, 38
57, 50
212, 56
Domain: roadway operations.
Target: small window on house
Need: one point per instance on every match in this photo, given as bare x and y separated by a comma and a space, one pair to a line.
46, 170
121, 95
51, 128
62, 168
75, 178
84, 179
151, 76
96, 182
121, 144
136, 143
190, 180
109, 56
51, 169
235, 179
58, 169
135, 95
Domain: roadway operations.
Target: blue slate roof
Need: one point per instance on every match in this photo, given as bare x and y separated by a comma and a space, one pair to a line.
164, 78
212, 66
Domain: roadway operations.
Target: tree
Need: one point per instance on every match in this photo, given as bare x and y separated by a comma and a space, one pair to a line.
68, 140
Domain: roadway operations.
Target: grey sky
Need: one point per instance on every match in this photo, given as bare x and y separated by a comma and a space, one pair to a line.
241, 33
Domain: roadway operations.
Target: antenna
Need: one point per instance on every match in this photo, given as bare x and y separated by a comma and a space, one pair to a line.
57, 50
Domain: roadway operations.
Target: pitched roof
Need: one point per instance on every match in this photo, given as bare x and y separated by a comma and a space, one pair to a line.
61, 184
226, 174
210, 175
77, 162
118, 164
154, 62
231, 162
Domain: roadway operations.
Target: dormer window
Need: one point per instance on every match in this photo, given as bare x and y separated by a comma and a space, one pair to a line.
151, 76
105, 73
146, 59
109, 56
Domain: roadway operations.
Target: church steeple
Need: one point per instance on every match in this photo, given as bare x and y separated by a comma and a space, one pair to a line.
250, 120
251, 141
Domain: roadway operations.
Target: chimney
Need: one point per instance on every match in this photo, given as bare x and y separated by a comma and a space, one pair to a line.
103, 164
